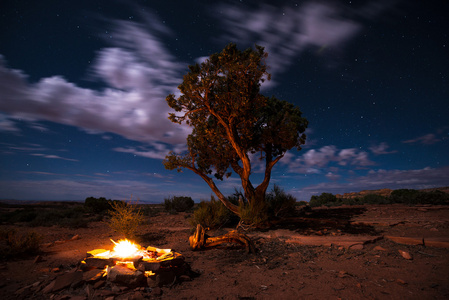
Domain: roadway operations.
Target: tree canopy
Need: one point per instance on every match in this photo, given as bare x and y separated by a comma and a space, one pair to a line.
220, 99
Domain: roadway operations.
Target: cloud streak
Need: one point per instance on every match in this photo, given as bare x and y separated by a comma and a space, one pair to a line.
286, 31
139, 72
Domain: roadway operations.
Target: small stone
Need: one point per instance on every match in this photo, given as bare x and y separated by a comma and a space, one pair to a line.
356, 247
401, 282
99, 284
184, 278
75, 237
379, 248
405, 254
157, 291
38, 259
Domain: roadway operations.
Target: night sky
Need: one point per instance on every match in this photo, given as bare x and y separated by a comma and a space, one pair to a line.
83, 87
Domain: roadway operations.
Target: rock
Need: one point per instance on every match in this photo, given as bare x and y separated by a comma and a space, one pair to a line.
157, 291
356, 247
93, 275
98, 263
126, 276
89, 291
99, 284
38, 259
64, 281
75, 237
405, 254
401, 282
433, 229
379, 248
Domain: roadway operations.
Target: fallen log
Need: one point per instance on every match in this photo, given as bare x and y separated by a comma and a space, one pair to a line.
200, 240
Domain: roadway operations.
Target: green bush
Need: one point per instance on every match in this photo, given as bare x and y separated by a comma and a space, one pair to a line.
323, 199
434, 197
97, 205
178, 204
409, 196
374, 199
280, 204
212, 214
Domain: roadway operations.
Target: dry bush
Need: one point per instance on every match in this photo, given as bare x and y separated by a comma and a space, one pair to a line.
18, 244
125, 218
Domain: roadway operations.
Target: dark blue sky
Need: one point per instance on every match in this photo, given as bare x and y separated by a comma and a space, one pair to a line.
83, 87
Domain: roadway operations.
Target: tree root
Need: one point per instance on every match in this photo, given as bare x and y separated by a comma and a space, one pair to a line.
199, 240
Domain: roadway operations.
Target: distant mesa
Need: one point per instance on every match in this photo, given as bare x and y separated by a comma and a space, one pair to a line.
384, 192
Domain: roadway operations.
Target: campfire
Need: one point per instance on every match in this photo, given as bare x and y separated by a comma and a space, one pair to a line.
133, 265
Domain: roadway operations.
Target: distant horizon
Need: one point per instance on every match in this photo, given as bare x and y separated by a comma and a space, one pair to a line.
5, 200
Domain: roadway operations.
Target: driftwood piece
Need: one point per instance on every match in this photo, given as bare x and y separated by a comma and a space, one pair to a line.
200, 240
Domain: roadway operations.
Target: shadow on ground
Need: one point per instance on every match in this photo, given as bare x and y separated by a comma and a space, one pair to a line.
324, 221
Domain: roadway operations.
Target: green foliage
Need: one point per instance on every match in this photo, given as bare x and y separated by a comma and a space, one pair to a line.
97, 205
125, 218
15, 244
374, 199
323, 199
280, 204
410, 196
211, 214
404, 196
178, 204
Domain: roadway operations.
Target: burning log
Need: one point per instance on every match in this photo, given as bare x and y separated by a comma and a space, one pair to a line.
200, 240
131, 265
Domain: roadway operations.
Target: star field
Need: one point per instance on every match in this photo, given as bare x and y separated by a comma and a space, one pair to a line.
83, 87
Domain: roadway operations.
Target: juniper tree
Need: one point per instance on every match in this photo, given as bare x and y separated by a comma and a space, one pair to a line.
230, 119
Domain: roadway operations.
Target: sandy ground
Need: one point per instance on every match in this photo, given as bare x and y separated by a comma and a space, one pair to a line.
336, 253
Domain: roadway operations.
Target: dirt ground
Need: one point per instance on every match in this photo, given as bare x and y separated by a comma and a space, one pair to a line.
327, 253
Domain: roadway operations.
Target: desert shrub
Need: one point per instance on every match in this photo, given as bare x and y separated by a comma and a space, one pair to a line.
408, 196
253, 215
125, 218
178, 204
374, 199
16, 244
434, 197
280, 204
212, 214
19, 215
302, 203
323, 199
97, 205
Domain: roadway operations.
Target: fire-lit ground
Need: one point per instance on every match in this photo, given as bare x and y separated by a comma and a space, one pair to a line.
283, 267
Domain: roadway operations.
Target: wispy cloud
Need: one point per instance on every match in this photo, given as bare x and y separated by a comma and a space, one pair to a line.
427, 139
381, 149
139, 72
287, 31
316, 160
51, 156
152, 150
